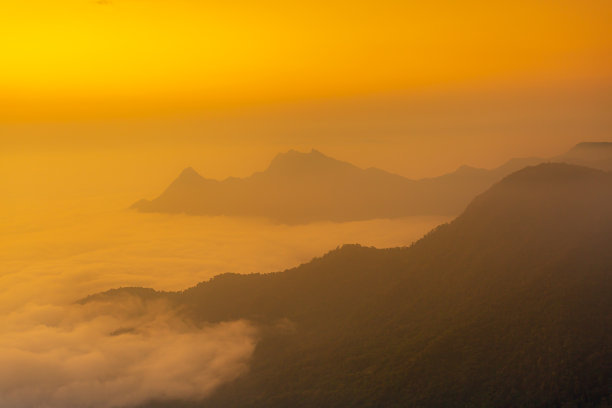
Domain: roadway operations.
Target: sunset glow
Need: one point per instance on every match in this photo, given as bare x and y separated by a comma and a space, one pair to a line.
326, 203
82, 58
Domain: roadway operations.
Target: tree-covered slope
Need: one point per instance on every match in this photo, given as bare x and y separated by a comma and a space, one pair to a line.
508, 305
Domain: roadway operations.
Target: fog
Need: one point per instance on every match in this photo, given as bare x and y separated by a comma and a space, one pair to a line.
66, 233
64, 259
114, 355
58, 353
105, 102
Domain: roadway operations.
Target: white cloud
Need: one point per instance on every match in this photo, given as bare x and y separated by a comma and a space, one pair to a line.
104, 355
56, 354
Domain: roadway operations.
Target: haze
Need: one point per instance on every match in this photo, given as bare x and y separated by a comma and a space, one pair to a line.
105, 102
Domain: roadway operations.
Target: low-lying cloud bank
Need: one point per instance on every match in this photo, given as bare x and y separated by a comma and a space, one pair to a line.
59, 260
103, 355
58, 354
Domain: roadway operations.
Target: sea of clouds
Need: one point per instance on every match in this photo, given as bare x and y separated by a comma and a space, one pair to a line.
58, 353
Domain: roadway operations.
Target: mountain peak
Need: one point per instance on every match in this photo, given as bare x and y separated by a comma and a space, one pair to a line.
187, 179
551, 173
295, 162
296, 154
465, 169
555, 193
593, 145
189, 172
589, 151
188, 176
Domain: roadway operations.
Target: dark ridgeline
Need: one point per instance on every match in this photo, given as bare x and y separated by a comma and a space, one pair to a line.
591, 154
508, 305
303, 187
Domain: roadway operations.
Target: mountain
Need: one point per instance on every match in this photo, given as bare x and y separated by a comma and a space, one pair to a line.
507, 305
303, 187
591, 154
296, 187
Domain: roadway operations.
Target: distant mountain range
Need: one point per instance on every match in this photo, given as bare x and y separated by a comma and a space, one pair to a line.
507, 306
303, 187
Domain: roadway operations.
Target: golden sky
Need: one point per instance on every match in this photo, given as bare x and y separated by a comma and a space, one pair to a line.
78, 59
120, 95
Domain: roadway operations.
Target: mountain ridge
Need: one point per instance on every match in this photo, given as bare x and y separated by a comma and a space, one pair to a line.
507, 305
300, 187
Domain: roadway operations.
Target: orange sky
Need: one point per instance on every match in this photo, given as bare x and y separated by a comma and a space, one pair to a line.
120, 95
78, 59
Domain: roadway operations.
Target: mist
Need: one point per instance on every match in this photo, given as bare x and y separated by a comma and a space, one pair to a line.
114, 355
163, 243
56, 352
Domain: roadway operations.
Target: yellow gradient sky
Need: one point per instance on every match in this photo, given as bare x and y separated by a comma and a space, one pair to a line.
100, 97
77, 59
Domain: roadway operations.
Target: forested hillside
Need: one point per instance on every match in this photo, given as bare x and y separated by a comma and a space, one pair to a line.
508, 305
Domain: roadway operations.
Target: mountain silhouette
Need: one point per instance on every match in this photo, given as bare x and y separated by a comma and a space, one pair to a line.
591, 154
303, 187
296, 187
507, 305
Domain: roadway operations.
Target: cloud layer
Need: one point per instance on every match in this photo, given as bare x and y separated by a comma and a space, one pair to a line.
103, 355
58, 354
62, 259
